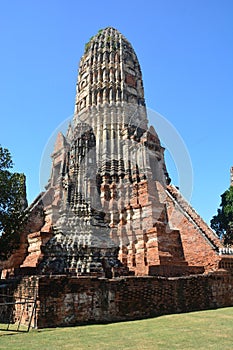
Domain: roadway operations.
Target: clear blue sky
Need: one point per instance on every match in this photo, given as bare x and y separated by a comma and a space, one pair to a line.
185, 48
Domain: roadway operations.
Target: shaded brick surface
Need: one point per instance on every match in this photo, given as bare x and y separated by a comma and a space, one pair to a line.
64, 301
68, 300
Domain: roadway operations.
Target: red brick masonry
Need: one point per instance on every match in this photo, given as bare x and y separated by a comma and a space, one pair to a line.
65, 301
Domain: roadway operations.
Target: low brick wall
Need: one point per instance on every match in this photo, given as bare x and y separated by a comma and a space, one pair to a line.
66, 300
6, 296
22, 291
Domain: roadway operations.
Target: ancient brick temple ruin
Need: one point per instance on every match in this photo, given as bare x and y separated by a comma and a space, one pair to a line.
110, 235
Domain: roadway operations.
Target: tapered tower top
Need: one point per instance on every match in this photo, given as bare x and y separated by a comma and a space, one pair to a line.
109, 72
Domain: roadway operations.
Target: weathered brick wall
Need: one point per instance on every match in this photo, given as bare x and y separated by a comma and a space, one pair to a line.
6, 295
69, 300
64, 300
22, 291
26, 292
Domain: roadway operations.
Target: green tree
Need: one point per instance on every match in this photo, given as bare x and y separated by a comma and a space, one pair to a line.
222, 223
12, 204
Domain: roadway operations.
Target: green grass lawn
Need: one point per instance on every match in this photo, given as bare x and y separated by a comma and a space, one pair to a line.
197, 330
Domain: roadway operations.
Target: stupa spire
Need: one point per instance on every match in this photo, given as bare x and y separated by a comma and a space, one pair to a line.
109, 156
109, 72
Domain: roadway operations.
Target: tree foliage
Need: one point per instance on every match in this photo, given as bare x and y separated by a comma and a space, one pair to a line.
12, 204
222, 223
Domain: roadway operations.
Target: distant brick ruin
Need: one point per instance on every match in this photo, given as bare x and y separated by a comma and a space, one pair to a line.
109, 213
